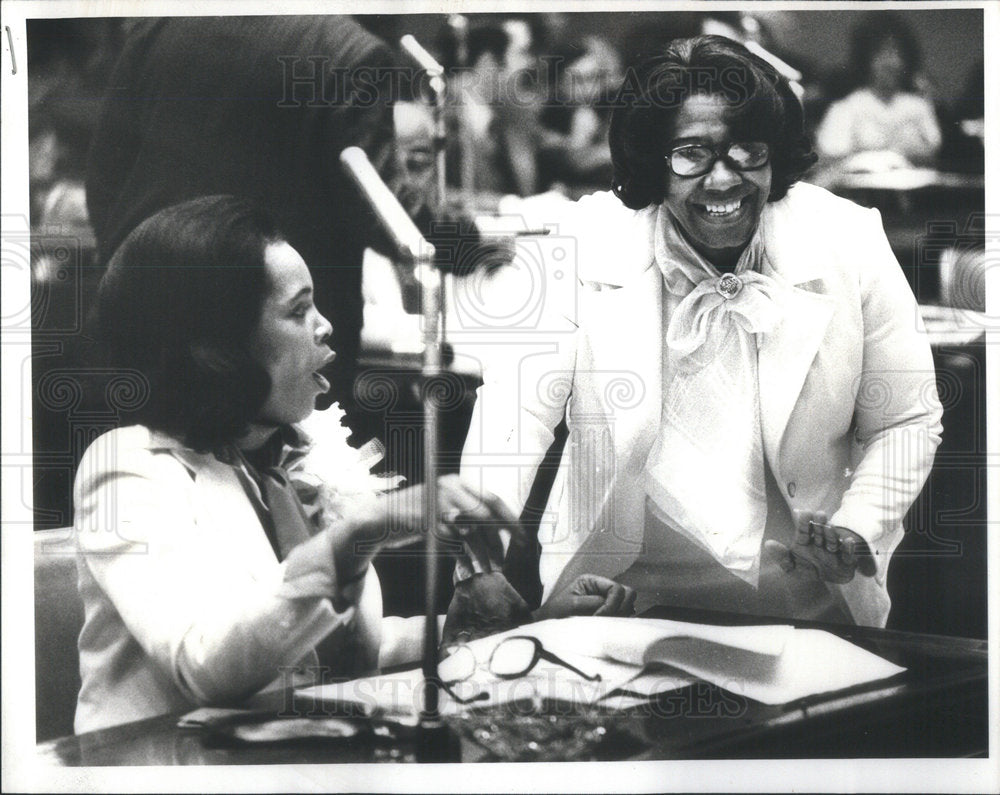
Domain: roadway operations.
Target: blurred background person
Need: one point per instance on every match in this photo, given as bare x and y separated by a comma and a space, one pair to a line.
574, 151
494, 125
69, 62
888, 115
390, 290
392, 319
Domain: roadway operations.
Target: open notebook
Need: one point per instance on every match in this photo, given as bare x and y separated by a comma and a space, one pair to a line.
636, 658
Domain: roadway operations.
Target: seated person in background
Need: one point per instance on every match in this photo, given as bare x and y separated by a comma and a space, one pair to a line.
575, 139
749, 395
389, 288
886, 113
223, 547
392, 319
495, 118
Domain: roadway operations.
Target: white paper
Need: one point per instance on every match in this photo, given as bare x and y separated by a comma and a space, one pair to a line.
811, 663
627, 639
772, 664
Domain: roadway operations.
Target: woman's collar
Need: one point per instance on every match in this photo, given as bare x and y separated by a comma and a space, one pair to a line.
678, 259
290, 441
792, 228
615, 245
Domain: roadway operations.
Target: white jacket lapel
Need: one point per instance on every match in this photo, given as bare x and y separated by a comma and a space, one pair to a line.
785, 355
787, 352
222, 506
619, 360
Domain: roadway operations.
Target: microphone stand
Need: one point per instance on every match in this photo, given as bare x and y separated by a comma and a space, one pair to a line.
751, 34
439, 92
435, 741
436, 82
459, 25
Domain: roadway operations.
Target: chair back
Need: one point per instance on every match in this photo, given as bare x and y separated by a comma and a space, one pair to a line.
58, 621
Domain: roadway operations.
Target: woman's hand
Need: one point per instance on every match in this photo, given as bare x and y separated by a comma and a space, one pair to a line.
465, 515
822, 551
589, 595
480, 520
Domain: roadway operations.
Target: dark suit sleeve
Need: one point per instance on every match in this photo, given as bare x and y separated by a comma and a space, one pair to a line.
117, 138
366, 122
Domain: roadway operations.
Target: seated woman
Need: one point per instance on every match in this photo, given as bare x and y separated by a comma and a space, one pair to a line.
884, 122
749, 394
223, 547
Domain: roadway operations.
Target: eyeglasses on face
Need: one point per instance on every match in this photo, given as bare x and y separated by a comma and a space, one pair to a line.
514, 657
418, 161
693, 160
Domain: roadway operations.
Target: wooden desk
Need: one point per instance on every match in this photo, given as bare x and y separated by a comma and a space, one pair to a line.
936, 708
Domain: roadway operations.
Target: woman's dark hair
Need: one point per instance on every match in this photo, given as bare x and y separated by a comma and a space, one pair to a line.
762, 107
871, 34
178, 303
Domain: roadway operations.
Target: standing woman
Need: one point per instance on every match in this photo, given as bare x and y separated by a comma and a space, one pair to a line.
748, 389
220, 543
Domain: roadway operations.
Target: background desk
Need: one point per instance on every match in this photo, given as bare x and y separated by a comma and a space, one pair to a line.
937, 708
924, 212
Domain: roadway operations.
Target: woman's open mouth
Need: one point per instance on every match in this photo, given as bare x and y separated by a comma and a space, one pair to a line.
321, 381
726, 209
318, 377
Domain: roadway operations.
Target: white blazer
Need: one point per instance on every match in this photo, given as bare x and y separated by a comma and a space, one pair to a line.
185, 602
850, 412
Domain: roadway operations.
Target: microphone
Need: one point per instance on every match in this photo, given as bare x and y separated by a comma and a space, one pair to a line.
436, 742
424, 59
783, 68
751, 33
409, 243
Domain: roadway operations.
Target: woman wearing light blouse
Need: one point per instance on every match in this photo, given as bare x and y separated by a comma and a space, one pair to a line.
749, 393
885, 113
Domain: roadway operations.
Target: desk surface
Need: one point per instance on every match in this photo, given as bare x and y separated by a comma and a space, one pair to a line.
907, 179
936, 708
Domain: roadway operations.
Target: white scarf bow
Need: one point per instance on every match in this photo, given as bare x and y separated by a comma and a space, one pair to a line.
705, 472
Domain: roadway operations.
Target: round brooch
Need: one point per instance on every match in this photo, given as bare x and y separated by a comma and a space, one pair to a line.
729, 285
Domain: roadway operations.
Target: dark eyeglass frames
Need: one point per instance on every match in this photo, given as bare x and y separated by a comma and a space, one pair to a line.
693, 160
514, 657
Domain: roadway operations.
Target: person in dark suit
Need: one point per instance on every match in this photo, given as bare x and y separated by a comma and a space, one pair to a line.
258, 107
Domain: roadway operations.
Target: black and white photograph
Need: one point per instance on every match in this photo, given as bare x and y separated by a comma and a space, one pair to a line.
469, 396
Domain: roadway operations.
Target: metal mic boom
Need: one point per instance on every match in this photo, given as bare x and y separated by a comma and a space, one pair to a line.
410, 245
